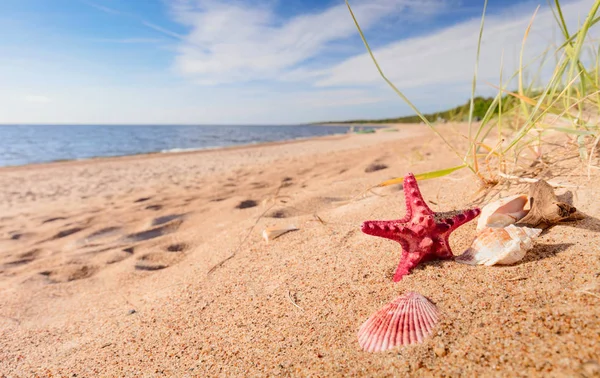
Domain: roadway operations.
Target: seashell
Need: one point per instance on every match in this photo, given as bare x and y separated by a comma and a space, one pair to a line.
546, 209
499, 246
408, 319
501, 213
271, 233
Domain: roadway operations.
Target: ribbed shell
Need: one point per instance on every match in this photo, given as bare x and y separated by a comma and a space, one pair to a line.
503, 212
408, 319
499, 246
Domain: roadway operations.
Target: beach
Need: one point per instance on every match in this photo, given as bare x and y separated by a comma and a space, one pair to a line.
154, 265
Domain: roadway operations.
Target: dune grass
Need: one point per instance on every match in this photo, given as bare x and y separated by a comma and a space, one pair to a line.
568, 104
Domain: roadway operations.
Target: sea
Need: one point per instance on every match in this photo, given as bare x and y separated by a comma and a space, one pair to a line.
27, 144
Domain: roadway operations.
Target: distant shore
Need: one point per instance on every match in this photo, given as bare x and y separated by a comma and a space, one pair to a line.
378, 125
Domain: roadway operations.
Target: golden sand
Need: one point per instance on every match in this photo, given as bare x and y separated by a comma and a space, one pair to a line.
156, 266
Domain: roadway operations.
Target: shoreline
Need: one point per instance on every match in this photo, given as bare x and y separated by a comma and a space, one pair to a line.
144, 155
180, 150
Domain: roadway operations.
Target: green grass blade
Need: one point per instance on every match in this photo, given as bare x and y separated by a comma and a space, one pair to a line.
423, 176
402, 96
474, 83
521, 92
561, 20
573, 131
580, 40
572, 38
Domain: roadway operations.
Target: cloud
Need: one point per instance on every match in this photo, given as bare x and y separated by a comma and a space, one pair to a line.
270, 69
162, 30
185, 104
135, 18
102, 8
447, 57
132, 40
37, 99
236, 41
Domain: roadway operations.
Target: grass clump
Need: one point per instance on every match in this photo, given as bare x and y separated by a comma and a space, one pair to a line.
567, 104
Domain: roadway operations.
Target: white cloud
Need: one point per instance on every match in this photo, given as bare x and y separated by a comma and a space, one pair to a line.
37, 99
134, 17
127, 41
447, 57
269, 70
162, 30
179, 105
233, 42
102, 8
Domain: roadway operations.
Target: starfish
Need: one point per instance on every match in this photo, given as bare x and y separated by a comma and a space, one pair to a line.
422, 233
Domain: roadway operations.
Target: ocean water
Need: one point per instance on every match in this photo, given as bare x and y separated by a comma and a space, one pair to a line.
26, 144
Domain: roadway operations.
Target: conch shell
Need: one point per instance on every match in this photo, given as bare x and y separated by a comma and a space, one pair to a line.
503, 212
499, 246
546, 209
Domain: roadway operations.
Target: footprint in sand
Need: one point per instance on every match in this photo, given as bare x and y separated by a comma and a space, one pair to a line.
282, 213
49, 220
67, 232
246, 204
116, 256
24, 258
219, 199
286, 181
102, 233
15, 263
154, 207
166, 219
154, 232
143, 199
373, 167
69, 272
259, 185
16, 235
161, 259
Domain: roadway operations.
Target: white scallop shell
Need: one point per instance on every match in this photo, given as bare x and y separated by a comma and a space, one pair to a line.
499, 246
408, 319
503, 212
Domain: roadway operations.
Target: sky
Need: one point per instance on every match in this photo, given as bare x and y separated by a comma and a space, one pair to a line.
259, 61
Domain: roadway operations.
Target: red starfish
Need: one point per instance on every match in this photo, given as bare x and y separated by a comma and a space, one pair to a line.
422, 233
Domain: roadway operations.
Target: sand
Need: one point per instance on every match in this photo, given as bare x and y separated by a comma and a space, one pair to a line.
154, 265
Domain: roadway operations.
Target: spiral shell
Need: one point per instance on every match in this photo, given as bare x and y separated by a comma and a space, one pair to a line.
499, 246
503, 212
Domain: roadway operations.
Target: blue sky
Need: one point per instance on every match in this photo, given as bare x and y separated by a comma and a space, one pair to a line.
254, 61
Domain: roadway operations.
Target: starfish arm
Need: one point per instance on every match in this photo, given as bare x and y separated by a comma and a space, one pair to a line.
388, 229
452, 220
415, 204
442, 249
407, 262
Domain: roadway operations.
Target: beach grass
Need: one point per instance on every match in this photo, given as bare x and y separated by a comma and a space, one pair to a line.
566, 104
